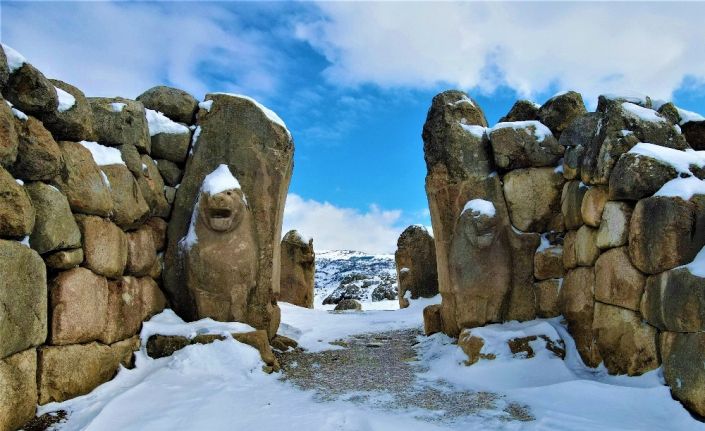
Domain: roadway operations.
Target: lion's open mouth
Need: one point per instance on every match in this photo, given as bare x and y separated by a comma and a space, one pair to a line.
220, 213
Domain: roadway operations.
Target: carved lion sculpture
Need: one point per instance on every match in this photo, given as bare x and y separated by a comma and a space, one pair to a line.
298, 268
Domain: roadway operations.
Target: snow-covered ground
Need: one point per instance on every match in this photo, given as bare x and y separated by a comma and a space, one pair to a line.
220, 386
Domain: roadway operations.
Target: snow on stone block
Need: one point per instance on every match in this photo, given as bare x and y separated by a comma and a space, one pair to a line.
16, 112
689, 116
117, 106
480, 207
103, 155
634, 98
477, 131
206, 105
271, 115
680, 160
464, 99
66, 101
160, 123
697, 266
15, 60
684, 188
168, 323
540, 131
641, 113
220, 180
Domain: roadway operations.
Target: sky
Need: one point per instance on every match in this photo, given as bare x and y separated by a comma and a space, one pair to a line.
353, 80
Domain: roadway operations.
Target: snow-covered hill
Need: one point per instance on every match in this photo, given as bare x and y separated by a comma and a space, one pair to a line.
353, 274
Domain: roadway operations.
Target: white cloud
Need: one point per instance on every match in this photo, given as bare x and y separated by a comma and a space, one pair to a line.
336, 228
531, 47
109, 49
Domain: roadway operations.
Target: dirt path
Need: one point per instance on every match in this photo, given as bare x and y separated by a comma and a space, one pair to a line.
380, 371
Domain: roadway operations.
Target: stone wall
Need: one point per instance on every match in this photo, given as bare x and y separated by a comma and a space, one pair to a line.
589, 215
87, 188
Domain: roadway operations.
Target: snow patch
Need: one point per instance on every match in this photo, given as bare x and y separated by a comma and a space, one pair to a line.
477, 131
15, 60
540, 131
688, 116
630, 97
220, 180
194, 139
641, 113
103, 155
160, 123
117, 106
480, 207
206, 105
271, 115
497, 336
168, 323
16, 112
25, 241
464, 99
66, 100
697, 266
679, 160
684, 188
105, 179
19, 181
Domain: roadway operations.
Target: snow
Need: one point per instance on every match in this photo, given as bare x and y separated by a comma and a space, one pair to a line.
271, 115
464, 99
16, 112
497, 336
117, 106
679, 160
103, 155
631, 97
191, 238
545, 244
477, 131
168, 323
66, 101
19, 181
697, 266
481, 207
684, 188
540, 131
688, 116
641, 113
194, 138
206, 105
220, 180
160, 123
15, 60
25, 241
105, 179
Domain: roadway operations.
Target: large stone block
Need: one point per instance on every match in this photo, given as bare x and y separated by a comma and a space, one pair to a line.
684, 371
524, 144
561, 110
614, 227
637, 176
38, 156
666, 232
576, 302
82, 182
30, 91
23, 298
130, 209
415, 260
260, 156
64, 259
152, 186
548, 263
534, 199
176, 104
119, 121
158, 226
16, 210
694, 132
593, 205
54, 227
617, 282
547, 293
570, 259
571, 204
522, 110
8, 136
18, 389
627, 345
675, 301
298, 270
171, 173
432, 319
60, 378
79, 305
124, 310
171, 146
72, 124
141, 252
104, 246
586, 251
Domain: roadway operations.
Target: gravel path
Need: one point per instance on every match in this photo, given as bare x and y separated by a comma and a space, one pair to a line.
379, 371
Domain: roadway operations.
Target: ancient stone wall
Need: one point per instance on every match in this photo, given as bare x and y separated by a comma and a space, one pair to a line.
87, 188
595, 216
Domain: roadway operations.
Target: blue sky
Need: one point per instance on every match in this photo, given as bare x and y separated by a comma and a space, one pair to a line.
353, 81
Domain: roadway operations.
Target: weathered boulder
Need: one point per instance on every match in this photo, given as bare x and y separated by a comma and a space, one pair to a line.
30, 91
258, 150
16, 211
609, 101
614, 227
8, 136
524, 144
547, 292
559, 111
104, 246
617, 282
586, 251
23, 298
521, 303
38, 156
64, 259
627, 345
60, 379
282, 343
152, 186
665, 232
548, 262
298, 269
670, 112
129, 302
694, 132
533, 198
79, 303
580, 131
570, 259
176, 104
119, 121
576, 303
132, 159
522, 110
129, 207
171, 146
684, 372
675, 301
171, 173
637, 176
18, 389
415, 261
572, 159
170, 195
485, 343
74, 123
158, 227
82, 182
572, 203
432, 319
54, 227
348, 304
141, 252
593, 204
